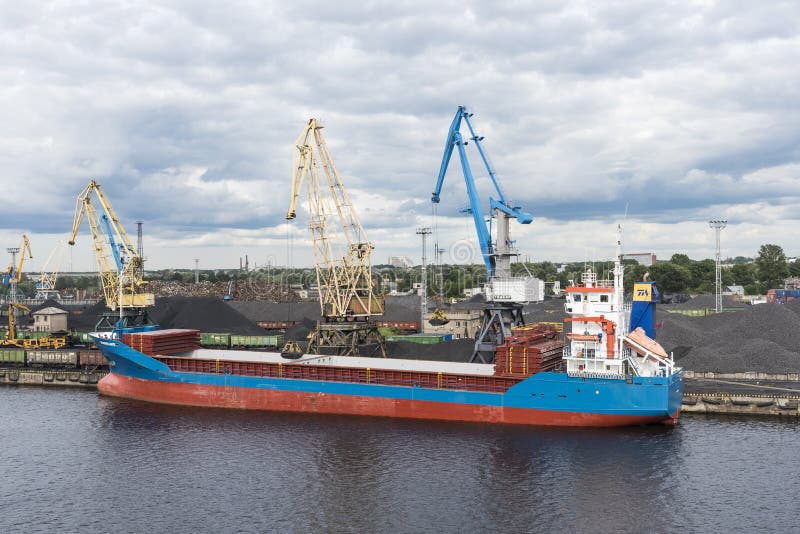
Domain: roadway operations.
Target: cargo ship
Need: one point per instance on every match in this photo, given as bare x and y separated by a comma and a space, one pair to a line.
606, 369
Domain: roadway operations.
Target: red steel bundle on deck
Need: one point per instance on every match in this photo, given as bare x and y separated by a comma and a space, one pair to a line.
169, 341
531, 350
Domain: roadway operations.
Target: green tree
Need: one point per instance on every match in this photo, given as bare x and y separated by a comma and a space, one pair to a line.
634, 273
794, 268
671, 278
744, 274
680, 259
772, 267
703, 274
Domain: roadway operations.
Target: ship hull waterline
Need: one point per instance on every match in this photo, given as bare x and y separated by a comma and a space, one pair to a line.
546, 398
243, 398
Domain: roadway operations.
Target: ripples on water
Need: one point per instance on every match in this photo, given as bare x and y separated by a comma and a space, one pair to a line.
77, 462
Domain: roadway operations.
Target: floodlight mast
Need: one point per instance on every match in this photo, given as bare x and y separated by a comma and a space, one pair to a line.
718, 225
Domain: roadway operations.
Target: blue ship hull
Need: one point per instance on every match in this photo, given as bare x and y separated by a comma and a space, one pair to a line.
546, 398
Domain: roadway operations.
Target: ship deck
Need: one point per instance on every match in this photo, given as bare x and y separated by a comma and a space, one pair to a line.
359, 370
396, 364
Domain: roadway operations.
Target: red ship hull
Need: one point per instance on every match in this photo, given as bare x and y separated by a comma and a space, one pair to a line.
206, 395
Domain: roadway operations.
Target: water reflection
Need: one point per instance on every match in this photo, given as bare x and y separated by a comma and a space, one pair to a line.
99, 464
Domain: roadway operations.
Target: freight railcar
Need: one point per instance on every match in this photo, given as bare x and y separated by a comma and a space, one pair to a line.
56, 359
228, 341
53, 359
12, 357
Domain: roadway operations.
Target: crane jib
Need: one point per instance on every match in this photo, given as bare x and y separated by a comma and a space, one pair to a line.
489, 252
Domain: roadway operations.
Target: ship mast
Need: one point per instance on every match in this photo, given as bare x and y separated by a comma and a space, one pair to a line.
619, 293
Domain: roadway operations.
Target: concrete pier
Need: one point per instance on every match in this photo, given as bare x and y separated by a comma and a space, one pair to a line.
41, 377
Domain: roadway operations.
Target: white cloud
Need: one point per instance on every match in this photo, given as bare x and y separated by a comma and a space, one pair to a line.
186, 113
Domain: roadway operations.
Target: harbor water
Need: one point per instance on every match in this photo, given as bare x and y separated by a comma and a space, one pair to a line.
75, 461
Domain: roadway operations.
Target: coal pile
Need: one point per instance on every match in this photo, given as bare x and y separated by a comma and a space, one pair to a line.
707, 301
457, 350
207, 314
762, 338
85, 319
276, 311
401, 308
300, 331
546, 311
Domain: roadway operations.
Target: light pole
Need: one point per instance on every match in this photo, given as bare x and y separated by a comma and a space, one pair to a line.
423, 309
718, 225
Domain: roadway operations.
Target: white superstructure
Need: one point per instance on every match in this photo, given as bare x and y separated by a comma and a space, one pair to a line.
598, 342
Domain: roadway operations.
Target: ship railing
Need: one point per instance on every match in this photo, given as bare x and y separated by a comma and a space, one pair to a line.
584, 374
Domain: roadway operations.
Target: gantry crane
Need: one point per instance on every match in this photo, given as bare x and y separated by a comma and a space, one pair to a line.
118, 262
347, 299
503, 291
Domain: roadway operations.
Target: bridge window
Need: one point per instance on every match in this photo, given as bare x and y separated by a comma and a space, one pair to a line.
577, 298
603, 298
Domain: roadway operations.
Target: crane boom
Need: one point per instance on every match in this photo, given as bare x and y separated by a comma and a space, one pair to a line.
495, 257
118, 262
12, 325
13, 274
49, 273
345, 283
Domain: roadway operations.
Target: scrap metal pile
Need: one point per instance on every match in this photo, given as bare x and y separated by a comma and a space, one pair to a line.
246, 290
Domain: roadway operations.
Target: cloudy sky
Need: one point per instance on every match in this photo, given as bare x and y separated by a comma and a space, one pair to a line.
187, 114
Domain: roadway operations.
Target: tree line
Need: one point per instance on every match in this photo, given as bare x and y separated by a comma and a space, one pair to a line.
679, 274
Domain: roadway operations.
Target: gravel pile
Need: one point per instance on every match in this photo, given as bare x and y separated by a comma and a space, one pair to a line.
763, 338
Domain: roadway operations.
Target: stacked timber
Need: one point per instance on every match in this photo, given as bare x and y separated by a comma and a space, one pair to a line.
163, 342
533, 350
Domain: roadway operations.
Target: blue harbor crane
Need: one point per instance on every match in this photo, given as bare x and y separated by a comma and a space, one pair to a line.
497, 258
505, 293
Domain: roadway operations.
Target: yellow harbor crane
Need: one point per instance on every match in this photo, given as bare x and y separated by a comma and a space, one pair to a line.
12, 277
347, 298
119, 264
13, 274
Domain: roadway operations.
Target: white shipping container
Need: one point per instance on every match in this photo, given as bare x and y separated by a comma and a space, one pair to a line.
519, 289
